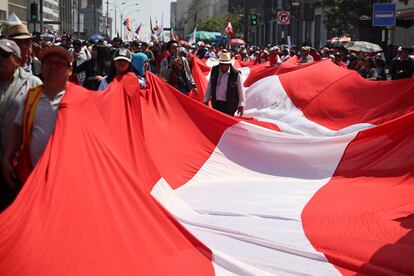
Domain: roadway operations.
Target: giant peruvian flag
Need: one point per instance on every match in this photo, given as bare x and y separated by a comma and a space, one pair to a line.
151, 182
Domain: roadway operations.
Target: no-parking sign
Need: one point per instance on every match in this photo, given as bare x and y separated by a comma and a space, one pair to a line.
283, 17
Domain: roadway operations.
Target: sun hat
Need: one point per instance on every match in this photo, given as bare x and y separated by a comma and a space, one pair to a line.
225, 58
19, 31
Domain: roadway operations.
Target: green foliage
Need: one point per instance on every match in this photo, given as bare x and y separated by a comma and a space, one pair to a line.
212, 24
343, 16
216, 23
3, 28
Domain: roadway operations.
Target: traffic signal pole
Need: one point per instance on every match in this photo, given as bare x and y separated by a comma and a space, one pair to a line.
246, 22
41, 15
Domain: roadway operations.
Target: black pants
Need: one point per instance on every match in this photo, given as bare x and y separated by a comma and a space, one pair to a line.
223, 107
7, 194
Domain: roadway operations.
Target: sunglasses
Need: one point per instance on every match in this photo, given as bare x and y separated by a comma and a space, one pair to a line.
5, 54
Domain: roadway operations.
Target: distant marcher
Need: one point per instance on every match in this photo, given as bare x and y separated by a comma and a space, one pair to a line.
225, 87
140, 64
175, 69
120, 65
20, 34
305, 57
402, 66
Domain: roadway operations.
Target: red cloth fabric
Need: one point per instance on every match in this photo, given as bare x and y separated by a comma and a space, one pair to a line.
86, 208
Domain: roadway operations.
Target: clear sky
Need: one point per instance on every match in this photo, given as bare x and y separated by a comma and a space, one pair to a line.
154, 8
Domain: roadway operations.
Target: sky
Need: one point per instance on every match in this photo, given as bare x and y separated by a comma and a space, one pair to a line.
154, 8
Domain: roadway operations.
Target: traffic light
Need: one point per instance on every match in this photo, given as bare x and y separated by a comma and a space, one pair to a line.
253, 19
33, 11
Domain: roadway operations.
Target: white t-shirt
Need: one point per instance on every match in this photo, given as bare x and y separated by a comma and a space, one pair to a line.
43, 124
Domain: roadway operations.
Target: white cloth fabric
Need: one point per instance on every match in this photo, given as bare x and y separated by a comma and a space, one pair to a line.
43, 124
221, 88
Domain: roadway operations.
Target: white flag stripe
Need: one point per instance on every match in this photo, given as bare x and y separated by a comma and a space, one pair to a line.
263, 181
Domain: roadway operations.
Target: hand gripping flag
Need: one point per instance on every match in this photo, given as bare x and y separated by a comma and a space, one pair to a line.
228, 28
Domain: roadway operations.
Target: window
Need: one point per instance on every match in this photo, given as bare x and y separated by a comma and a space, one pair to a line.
3, 15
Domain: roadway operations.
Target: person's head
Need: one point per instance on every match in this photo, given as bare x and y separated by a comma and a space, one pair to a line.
173, 47
140, 63
56, 66
122, 61
368, 62
144, 46
77, 45
22, 37
116, 42
224, 61
305, 51
403, 52
9, 59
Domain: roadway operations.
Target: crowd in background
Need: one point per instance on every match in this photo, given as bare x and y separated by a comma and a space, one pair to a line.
93, 60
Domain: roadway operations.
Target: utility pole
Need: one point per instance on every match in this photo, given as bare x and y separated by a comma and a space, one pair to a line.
41, 15
246, 22
116, 30
107, 14
79, 10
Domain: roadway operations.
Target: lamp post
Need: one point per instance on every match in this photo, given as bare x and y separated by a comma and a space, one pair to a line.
122, 12
115, 9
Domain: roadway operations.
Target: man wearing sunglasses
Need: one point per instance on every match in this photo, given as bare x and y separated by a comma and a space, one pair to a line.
14, 85
37, 117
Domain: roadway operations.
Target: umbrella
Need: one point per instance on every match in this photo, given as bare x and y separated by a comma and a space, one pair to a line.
206, 36
96, 37
343, 39
47, 37
363, 46
236, 41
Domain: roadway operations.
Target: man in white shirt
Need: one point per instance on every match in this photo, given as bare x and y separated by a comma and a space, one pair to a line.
225, 87
38, 115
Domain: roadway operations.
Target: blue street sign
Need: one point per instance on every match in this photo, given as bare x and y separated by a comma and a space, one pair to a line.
383, 15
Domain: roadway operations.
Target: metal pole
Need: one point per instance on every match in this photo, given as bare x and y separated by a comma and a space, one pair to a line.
246, 22
41, 15
79, 10
121, 25
107, 15
116, 30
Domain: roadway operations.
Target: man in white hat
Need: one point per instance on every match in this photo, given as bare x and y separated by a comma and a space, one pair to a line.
225, 87
14, 85
20, 34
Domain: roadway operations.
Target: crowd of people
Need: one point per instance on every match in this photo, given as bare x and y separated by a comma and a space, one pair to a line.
34, 73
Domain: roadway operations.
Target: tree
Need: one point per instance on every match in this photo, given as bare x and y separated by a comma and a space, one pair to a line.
3, 28
344, 16
216, 23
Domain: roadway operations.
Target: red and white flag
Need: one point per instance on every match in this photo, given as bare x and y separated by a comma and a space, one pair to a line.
138, 31
228, 28
331, 192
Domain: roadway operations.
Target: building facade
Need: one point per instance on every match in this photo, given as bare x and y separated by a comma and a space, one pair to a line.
403, 33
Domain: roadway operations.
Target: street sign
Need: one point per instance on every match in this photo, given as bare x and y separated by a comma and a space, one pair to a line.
383, 15
283, 17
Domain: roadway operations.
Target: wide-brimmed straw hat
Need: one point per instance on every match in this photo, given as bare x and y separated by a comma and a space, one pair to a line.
225, 58
18, 32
